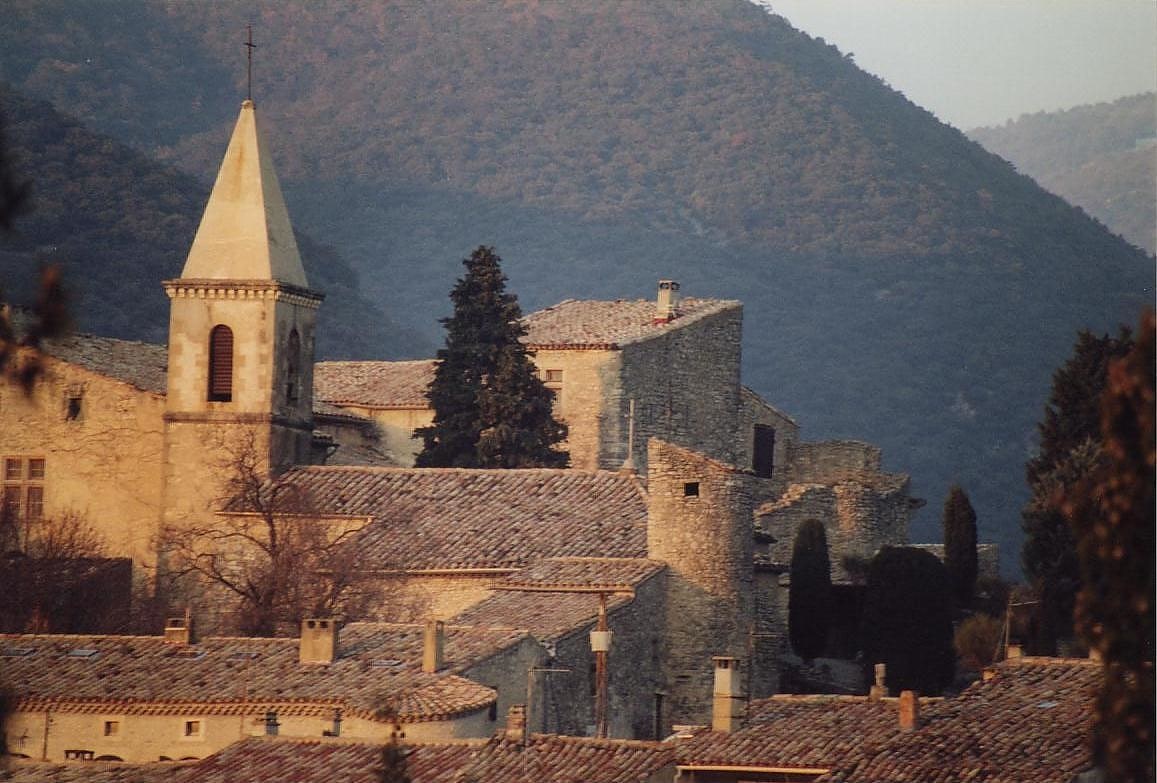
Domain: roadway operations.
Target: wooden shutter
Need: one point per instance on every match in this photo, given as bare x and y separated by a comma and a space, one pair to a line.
221, 364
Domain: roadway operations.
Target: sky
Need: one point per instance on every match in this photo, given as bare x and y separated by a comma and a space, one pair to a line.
982, 62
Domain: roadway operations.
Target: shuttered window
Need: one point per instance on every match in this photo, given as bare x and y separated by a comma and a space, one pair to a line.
293, 368
221, 364
763, 452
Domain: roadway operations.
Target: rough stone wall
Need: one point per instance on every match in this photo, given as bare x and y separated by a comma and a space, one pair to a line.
699, 523
754, 410
397, 426
105, 464
987, 558
565, 701
828, 462
770, 633
685, 384
586, 400
508, 673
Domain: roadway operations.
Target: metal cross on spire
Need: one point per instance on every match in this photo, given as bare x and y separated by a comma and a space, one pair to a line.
250, 46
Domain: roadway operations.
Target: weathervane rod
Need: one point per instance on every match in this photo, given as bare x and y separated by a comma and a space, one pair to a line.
250, 46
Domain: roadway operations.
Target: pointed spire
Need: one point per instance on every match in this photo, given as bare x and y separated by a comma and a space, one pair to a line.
245, 233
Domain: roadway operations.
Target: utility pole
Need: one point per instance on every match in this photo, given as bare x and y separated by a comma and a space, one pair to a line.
601, 644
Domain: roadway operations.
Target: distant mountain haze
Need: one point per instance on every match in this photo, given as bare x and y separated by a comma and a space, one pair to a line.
1102, 158
901, 284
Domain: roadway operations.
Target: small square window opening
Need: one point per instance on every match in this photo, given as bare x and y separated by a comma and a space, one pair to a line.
690, 489
112, 728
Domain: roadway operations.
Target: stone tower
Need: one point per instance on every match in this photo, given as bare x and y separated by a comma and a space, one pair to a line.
699, 521
241, 335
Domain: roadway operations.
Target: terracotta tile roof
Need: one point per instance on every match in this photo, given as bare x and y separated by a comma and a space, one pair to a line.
374, 384
548, 616
231, 675
1030, 723
592, 573
575, 324
142, 365
797, 732
549, 758
93, 772
277, 760
445, 518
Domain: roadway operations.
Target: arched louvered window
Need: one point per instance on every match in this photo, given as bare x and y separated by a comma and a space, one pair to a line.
221, 364
293, 368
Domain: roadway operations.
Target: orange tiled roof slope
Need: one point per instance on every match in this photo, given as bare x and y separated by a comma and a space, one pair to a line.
592, 573
92, 772
142, 365
275, 760
797, 732
548, 616
374, 384
550, 758
588, 324
447, 518
1029, 723
233, 675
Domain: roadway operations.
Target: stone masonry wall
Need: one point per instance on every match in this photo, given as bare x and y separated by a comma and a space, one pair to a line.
754, 410
104, 464
586, 399
699, 523
829, 462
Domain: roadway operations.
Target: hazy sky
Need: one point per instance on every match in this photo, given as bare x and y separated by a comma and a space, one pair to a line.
981, 62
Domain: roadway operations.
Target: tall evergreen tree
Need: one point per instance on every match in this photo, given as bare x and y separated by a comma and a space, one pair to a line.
491, 410
809, 602
960, 546
907, 620
1069, 450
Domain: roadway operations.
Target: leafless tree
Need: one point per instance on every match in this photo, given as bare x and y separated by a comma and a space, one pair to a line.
269, 552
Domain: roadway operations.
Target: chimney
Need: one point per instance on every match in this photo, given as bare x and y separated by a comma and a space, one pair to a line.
879, 690
179, 630
516, 724
1013, 651
909, 711
667, 304
319, 641
272, 724
727, 702
433, 642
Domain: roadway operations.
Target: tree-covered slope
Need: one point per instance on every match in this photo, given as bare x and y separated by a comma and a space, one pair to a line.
902, 285
118, 223
1102, 158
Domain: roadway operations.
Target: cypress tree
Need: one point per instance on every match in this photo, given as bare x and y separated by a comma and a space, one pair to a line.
809, 600
960, 546
907, 620
491, 410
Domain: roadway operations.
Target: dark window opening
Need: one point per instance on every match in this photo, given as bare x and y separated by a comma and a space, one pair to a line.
763, 451
221, 364
293, 368
691, 489
73, 407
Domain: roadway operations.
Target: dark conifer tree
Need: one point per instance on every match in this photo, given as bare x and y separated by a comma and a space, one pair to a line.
907, 620
960, 546
1069, 449
810, 598
491, 410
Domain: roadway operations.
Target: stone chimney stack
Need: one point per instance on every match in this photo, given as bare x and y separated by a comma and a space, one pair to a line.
179, 630
879, 690
728, 703
319, 641
516, 724
667, 304
909, 711
1013, 651
433, 644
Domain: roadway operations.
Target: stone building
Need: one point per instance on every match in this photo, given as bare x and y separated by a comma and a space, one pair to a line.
658, 513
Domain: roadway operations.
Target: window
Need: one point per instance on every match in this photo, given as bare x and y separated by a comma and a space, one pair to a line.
221, 364
691, 489
23, 492
763, 451
112, 728
73, 405
553, 376
293, 368
193, 729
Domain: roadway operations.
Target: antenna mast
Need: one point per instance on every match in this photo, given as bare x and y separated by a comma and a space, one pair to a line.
249, 47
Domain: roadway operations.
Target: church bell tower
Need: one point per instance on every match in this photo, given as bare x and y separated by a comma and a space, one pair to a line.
241, 335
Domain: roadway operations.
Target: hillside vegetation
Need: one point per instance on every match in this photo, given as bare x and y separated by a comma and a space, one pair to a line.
1102, 158
902, 285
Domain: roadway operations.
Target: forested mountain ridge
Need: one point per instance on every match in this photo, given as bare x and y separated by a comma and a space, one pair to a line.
119, 222
1101, 157
901, 284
